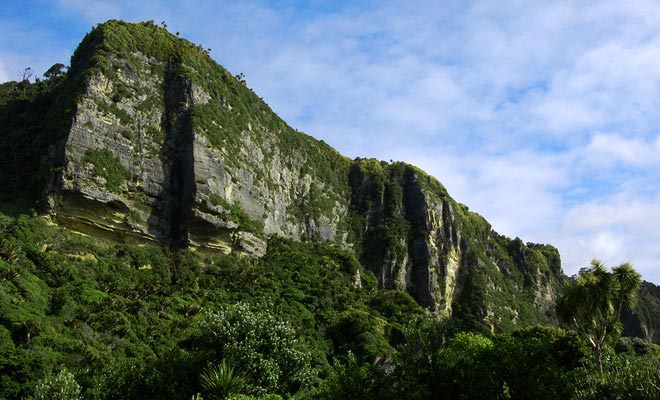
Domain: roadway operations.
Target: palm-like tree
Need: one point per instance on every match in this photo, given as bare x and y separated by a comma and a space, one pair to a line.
592, 303
628, 281
30, 329
9, 251
221, 381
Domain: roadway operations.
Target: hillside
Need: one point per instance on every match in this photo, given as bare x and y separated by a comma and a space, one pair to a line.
150, 196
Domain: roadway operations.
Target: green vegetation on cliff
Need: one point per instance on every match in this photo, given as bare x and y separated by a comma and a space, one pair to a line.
33, 116
107, 166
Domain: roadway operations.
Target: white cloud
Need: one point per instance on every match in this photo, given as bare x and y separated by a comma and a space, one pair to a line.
613, 84
607, 149
624, 210
616, 229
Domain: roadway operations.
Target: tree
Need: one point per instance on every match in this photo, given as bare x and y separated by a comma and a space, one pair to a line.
62, 386
592, 303
353, 380
55, 71
264, 349
221, 381
26, 74
29, 329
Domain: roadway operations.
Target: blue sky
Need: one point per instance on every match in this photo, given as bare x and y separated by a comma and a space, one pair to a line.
543, 116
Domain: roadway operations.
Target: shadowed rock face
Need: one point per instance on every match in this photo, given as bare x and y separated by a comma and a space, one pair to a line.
169, 148
177, 153
643, 320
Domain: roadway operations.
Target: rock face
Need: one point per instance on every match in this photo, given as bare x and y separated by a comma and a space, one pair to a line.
167, 147
644, 319
170, 148
413, 236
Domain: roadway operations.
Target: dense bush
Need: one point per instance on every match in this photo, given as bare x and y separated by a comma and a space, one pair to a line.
263, 348
624, 376
141, 322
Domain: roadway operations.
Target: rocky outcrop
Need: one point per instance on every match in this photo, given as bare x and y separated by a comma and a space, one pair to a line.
415, 237
644, 319
168, 147
170, 156
112, 171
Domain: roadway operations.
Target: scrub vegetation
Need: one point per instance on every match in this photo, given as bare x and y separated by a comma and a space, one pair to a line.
295, 323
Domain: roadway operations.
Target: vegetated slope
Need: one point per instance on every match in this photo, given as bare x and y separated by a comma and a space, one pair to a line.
142, 322
131, 321
149, 139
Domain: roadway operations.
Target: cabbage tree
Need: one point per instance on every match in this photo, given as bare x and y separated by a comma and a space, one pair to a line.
592, 303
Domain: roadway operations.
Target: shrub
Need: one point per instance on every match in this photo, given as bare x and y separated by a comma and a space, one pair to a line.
623, 377
264, 348
62, 386
108, 166
220, 381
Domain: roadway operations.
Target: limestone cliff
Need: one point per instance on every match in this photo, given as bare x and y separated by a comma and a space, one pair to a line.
165, 146
415, 237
